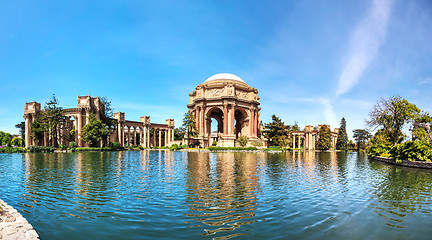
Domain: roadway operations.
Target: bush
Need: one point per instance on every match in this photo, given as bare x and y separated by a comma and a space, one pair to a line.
412, 151
62, 146
175, 147
73, 145
13, 150
214, 143
250, 149
257, 143
40, 149
115, 146
378, 150
242, 140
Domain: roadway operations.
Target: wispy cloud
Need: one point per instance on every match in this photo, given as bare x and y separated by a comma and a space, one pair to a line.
364, 44
427, 80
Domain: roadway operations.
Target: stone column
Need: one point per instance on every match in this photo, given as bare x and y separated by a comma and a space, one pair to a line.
225, 119
298, 142
160, 138
78, 130
154, 137
141, 136
135, 137
172, 134
166, 137
119, 133
256, 123
198, 119
251, 122
293, 143
128, 136
232, 120
203, 122
27, 130
87, 120
148, 137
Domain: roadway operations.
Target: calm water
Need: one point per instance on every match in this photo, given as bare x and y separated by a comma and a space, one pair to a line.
178, 195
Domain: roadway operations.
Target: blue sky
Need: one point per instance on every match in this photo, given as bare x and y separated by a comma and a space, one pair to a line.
312, 61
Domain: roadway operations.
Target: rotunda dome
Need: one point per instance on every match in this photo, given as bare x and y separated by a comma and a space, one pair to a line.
224, 76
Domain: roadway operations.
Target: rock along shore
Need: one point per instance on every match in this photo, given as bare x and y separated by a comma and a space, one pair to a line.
13, 225
415, 164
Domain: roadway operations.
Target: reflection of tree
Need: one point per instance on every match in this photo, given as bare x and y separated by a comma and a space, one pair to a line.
221, 191
402, 190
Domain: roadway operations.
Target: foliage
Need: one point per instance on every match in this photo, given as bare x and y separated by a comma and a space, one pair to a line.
16, 141
324, 138
73, 145
276, 129
361, 136
189, 125
284, 142
231, 149
422, 128
391, 115
378, 150
242, 140
214, 143
179, 133
21, 127
5, 139
420, 134
257, 143
41, 149
13, 150
94, 131
37, 129
62, 147
115, 145
175, 147
52, 118
412, 151
342, 138
106, 112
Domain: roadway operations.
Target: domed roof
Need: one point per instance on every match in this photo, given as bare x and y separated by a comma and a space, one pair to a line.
224, 76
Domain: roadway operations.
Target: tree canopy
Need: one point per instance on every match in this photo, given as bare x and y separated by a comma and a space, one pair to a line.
391, 115
190, 126
342, 139
361, 136
276, 129
324, 138
94, 131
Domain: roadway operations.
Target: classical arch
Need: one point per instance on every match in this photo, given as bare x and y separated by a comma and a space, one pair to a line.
227, 99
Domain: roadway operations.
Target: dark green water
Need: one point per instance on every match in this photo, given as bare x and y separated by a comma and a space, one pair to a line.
179, 195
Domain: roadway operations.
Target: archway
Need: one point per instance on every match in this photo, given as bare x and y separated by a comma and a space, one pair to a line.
215, 124
240, 116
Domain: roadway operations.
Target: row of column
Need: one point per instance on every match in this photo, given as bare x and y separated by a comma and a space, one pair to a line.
125, 136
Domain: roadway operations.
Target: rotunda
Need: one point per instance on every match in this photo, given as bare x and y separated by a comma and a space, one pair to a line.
233, 104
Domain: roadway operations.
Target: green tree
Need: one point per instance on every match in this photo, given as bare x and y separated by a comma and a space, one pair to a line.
179, 133
21, 127
16, 141
242, 140
284, 141
361, 136
37, 130
52, 119
391, 115
190, 126
106, 111
324, 138
422, 128
5, 138
94, 131
276, 129
342, 139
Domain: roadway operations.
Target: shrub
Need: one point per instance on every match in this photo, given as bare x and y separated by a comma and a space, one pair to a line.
378, 150
242, 140
13, 150
250, 149
412, 151
73, 145
115, 146
62, 146
214, 143
175, 147
257, 143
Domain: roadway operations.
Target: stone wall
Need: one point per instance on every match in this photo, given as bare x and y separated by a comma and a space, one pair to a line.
13, 225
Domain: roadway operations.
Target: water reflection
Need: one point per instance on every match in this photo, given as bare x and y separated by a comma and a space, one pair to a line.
223, 199
184, 195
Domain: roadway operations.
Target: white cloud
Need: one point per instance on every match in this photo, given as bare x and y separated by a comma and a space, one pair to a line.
427, 80
364, 44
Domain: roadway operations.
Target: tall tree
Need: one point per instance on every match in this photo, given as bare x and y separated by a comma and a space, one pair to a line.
94, 131
422, 128
361, 136
324, 138
342, 139
52, 119
391, 115
21, 127
190, 126
276, 129
107, 111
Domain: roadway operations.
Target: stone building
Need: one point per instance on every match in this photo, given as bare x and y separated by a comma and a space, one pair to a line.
307, 139
137, 133
234, 105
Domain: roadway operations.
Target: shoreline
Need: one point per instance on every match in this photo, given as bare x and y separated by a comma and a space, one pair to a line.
13, 225
404, 163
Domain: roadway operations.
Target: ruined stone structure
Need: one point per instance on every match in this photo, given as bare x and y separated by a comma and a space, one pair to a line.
227, 99
306, 139
125, 132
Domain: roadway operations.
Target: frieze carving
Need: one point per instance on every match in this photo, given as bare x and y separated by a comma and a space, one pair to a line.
216, 92
242, 94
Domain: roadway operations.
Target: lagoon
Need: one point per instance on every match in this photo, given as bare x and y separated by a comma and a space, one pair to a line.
199, 195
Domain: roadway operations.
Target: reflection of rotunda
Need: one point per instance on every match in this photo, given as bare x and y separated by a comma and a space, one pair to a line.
227, 99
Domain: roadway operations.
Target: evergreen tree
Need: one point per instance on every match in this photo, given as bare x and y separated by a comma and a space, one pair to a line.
361, 136
324, 138
342, 139
276, 129
51, 119
21, 127
94, 131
